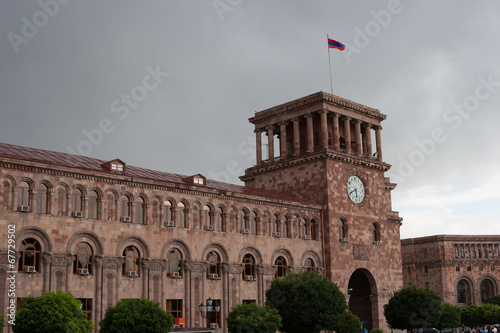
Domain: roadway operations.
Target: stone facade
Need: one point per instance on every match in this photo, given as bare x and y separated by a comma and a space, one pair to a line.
105, 230
463, 270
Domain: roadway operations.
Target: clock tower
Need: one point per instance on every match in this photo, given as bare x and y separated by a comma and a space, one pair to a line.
328, 150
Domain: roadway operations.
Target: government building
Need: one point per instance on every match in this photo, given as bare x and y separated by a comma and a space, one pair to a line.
316, 199
463, 270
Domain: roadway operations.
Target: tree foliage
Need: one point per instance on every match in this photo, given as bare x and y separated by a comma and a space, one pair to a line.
450, 317
348, 322
136, 316
413, 307
493, 300
306, 302
52, 312
480, 315
252, 318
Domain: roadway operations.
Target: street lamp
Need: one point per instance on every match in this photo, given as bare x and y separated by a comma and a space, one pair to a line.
209, 308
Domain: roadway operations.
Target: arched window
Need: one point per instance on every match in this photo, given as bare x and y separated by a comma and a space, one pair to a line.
219, 220
207, 216
284, 227
343, 235
76, 200
213, 260
23, 196
249, 269
30, 251
461, 292
309, 264
181, 215
132, 258
168, 211
94, 205
314, 230
486, 290
42, 202
303, 229
125, 206
174, 263
280, 264
252, 223
275, 224
426, 269
83, 259
140, 211
375, 232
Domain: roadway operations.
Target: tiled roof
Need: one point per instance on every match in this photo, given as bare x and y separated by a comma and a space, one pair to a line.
93, 164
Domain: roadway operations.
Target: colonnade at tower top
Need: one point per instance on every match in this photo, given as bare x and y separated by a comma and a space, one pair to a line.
315, 123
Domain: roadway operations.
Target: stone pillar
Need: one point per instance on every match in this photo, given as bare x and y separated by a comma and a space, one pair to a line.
187, 295
336, 134
378, 142
347, 134
98, 289
323, 134
47, 259
357, 133
225, 295
296, 136
145, 264
282, 139
270, 143
258, 142
310, 133
368, 139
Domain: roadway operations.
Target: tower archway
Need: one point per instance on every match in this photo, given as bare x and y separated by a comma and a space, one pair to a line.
361, 289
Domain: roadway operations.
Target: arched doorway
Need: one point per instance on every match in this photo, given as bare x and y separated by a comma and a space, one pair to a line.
361, 287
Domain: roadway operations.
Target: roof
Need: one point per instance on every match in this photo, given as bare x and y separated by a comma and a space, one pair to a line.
58, 159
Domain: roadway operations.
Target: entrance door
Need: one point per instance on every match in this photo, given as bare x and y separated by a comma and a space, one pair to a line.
361, 287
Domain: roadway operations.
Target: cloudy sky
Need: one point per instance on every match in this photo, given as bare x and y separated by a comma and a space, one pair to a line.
170, 85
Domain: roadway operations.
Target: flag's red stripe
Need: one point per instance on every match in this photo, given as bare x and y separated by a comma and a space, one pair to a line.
333, 44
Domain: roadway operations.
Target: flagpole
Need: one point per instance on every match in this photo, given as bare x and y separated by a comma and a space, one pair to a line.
330, 66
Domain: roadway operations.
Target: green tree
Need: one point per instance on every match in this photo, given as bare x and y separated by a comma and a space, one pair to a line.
136, 316
252, 318
450, 317
52, 312
493, 300
376, 330
348, 322
413, 307
306, 302
480, 315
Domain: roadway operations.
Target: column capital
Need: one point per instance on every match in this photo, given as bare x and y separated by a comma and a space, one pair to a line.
294, 119
333, 114
284, 122
258, 130
323, 111
270, 127
365, 124
377, 127
309, 115
346, 118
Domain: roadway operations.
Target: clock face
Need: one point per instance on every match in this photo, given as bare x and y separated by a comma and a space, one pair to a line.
355, 189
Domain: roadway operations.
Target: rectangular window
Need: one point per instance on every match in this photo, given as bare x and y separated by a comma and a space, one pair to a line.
249, 301
86, 306
427, 285
174, 307
425, 253
213, 317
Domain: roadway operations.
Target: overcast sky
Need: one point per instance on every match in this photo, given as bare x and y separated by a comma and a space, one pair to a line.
170, 85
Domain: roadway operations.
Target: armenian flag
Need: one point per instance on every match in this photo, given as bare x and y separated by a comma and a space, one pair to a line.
333, 44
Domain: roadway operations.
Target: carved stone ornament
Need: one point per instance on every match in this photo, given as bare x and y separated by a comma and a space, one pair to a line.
195, 266
59, 260
361, 252
236, 268
267, 270
111, 263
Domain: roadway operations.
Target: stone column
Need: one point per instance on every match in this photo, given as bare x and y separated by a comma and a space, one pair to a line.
357, 133
323, 129
258, 140
98, 289
310, 133
225, 295
283, 140
368, 136
296, 136
347, 134
270, 143
336, 134
378, 142
187, 294
145, 265
47, 259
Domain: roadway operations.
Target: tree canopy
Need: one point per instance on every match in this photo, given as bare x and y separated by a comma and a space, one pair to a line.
480, 315
413, 307
136, 316
347, 322
52, 312
493, 300
306, 302
450, 317
251, 318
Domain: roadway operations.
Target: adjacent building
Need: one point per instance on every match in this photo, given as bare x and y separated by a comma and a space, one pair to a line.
463, 270
106, 230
